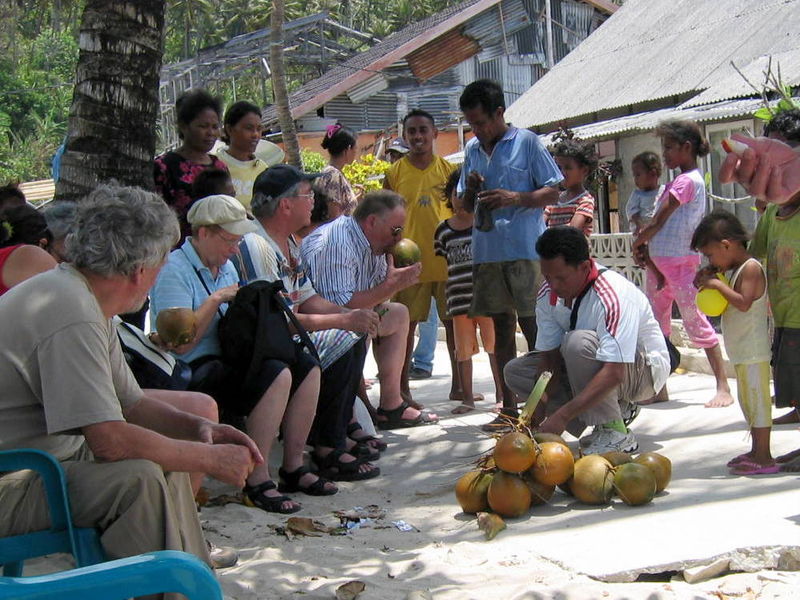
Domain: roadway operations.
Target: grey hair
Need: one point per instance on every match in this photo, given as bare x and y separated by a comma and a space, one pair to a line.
264, 205
119, 229
60, 217
378, 202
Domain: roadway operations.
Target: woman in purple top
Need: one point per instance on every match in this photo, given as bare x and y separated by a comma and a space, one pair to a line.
198, 117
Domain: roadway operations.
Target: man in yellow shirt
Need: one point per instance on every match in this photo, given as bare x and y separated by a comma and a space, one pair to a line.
420, 177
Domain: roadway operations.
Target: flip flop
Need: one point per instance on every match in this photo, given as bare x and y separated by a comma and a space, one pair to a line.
748, 467
462, 409
738, 459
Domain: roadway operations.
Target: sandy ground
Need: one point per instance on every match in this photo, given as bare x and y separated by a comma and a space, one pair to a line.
562, 551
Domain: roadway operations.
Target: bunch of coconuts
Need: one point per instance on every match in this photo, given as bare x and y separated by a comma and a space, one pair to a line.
525, 468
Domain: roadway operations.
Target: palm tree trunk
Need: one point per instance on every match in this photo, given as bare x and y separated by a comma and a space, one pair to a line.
112, 121
290, 144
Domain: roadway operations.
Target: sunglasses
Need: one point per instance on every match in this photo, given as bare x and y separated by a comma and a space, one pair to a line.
397, 230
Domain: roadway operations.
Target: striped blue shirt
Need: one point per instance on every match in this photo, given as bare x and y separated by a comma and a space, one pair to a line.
178, 285
341, 263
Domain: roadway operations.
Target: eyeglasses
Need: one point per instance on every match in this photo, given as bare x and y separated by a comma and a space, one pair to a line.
397, 230
229, 241
308, 196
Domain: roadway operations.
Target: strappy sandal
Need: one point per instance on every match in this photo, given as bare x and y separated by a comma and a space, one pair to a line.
395, 420
333, 468
254, 497
290, 482
364, 452
370, 440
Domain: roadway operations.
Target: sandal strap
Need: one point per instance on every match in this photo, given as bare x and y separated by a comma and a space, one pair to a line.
257, 490
332, 461
393, 414
255, 494
293, 477
353, 427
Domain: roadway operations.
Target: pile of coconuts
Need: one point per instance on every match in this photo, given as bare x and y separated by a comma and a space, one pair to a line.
525, 468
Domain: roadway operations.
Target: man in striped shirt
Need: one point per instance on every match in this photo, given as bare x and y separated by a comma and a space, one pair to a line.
350, 266
598, 337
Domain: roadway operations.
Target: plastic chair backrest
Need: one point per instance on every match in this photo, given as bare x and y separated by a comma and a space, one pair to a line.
83, 544
152, 573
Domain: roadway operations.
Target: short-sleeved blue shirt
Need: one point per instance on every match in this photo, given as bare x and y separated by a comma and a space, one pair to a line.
520, 163
178, 285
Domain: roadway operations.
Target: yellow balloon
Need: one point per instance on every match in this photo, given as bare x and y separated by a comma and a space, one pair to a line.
711, 302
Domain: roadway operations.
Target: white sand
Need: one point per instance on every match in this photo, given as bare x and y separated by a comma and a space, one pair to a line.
544, 555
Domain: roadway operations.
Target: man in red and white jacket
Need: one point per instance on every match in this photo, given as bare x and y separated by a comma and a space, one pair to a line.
598, 337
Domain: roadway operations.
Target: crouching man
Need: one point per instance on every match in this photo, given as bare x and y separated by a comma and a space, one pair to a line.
65, 388
598, 337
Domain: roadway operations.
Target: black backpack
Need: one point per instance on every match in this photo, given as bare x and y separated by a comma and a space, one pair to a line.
254, 329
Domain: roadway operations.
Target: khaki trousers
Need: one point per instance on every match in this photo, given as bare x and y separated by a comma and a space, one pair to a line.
579, 365
136, 506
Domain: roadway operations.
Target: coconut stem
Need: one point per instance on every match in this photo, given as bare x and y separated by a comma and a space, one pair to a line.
535, 396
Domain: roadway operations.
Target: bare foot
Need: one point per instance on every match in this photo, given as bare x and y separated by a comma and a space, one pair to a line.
792, 466
741, 458
720, 400
785, 458
459, 396
787, 419
463, 408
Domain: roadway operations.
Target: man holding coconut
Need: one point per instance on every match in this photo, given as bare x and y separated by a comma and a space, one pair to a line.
350, 265
598, 336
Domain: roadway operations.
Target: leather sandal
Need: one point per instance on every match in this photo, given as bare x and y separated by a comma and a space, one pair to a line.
333, 468
254, 497
394, 418
370, 440
290, 482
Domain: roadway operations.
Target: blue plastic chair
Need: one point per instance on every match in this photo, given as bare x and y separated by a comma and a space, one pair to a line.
82, 543
152, 573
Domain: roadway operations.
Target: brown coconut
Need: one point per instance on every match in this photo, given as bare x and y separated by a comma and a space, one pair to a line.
508, 495
660, 465
593, 480
514, 452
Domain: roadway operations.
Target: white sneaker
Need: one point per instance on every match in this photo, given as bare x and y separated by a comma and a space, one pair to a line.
609, 440
589, 438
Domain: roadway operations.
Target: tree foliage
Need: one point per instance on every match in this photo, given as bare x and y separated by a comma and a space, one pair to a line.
39, 50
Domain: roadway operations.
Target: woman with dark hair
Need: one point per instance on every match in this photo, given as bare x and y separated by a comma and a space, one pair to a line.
340, 142
23, 239
198, 116
241, 132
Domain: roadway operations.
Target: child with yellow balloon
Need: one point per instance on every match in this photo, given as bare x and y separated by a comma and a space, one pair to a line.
742, 302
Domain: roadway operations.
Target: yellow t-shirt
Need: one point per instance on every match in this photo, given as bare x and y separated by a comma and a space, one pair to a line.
243, 175
423, 191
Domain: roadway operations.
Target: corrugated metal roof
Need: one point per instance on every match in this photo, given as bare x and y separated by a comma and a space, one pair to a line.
652, 50
365, 89
647, 121
398, 45
730, 84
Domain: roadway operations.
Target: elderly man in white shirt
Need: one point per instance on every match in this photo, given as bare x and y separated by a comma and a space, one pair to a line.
349, 265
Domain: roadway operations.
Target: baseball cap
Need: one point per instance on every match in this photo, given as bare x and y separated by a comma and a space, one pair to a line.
222, 210
276, 180
398, 145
